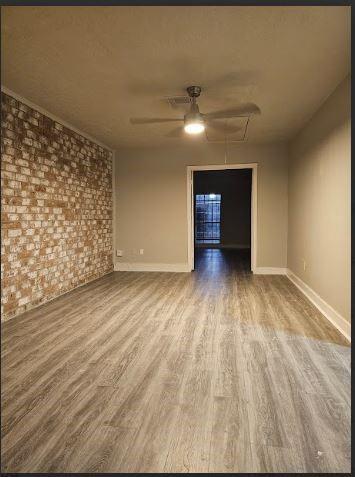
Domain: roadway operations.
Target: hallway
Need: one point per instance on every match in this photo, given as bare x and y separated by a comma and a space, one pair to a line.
220, 261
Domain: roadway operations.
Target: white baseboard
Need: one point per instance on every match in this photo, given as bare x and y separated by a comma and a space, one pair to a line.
269, 271
332, 315
328, 311
151, 267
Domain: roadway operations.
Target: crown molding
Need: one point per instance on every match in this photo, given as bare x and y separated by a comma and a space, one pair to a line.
41, 110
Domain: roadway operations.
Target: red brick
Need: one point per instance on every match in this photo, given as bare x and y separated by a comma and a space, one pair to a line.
57, 208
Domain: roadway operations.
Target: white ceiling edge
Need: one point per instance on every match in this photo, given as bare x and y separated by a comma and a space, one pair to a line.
307, 121
70, 126
50, 115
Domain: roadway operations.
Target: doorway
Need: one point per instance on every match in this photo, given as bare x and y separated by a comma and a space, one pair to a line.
222, 215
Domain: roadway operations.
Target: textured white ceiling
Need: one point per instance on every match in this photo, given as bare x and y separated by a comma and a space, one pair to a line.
98, 66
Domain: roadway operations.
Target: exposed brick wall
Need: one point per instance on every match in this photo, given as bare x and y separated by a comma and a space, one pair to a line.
56, 208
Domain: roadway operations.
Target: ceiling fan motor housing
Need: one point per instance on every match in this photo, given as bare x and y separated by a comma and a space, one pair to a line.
194, 91
194, 115
194, 123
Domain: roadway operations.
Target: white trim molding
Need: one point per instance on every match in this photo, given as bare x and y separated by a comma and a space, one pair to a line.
270, 271
340, 323
41, 110
190, 203
151, 267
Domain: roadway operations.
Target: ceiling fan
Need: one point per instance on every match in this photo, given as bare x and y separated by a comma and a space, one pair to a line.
196, 122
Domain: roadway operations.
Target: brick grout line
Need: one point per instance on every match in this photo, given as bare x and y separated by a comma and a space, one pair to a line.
56, 208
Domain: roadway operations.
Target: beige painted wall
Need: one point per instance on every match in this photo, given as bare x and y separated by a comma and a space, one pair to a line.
151, 200
320, 201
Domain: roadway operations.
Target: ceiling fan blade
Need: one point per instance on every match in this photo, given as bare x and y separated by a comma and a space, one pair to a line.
222, 127
242, 110
153, 120
177, 132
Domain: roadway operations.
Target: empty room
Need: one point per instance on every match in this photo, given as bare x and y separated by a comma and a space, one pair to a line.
176, 228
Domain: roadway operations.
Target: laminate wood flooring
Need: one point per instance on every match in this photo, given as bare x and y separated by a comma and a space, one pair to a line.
212, 371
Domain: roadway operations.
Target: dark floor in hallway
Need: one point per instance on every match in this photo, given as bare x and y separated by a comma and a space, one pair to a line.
222, 260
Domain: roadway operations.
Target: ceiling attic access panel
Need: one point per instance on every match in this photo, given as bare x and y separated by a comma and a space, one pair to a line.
229, 130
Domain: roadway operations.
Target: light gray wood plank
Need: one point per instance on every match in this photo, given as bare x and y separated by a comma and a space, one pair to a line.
213, 371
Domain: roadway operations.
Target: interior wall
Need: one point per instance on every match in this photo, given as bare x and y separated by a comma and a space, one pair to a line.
56, 219
319, 248
151, 200
235, 189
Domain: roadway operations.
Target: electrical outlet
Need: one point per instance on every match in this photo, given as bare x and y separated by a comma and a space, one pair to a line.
119, 253
141, 251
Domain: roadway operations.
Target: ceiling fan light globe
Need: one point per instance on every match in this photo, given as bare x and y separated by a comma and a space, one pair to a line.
194, 128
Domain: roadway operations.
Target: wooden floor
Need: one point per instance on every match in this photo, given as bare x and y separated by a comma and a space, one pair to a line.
213, 371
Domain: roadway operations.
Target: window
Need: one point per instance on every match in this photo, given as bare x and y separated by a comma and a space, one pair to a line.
207, 218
